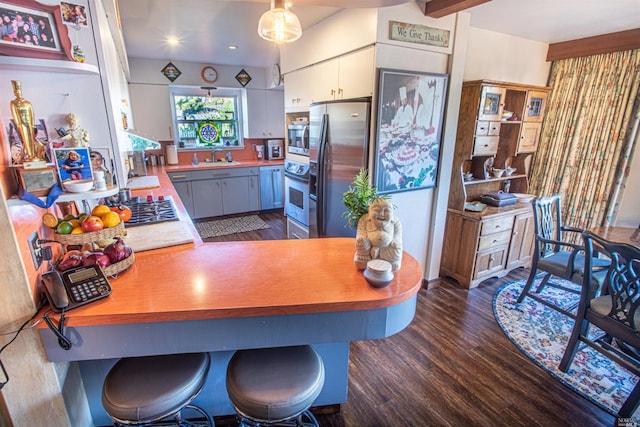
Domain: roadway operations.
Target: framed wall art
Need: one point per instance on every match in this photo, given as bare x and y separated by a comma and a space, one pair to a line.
33, 30
409, 129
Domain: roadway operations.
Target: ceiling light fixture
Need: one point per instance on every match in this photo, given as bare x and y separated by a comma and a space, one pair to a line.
279, 25
208, 89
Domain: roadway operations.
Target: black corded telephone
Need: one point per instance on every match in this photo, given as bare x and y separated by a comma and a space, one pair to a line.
75, 287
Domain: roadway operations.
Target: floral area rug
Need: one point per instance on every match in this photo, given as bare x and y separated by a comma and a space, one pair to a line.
223, 227
542, 334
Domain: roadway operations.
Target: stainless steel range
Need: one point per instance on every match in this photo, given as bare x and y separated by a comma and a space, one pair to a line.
149, 210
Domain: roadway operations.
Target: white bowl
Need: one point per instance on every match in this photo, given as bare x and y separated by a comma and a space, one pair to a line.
78, 186
524, 198
509, 171
497, 172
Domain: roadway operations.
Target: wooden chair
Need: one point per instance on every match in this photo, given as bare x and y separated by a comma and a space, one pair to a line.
552, 256
615, 312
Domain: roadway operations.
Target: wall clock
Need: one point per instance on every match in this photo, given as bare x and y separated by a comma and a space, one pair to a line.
275, 75
209, 74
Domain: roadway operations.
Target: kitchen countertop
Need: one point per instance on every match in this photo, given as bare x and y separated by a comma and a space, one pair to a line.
239, 279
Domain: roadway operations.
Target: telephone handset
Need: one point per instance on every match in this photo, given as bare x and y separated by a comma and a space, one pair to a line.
72, 288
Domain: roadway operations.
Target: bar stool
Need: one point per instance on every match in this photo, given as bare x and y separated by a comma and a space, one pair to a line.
275, 386
144, 390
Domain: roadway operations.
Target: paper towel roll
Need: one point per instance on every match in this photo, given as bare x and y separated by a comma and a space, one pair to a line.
172, 155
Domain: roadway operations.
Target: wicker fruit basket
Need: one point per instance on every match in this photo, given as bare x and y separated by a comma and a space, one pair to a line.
120, 266
93, 236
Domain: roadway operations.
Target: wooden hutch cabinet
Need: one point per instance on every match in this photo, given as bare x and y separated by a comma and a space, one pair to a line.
480, 245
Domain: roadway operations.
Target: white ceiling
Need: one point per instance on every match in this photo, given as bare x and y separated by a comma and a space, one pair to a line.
207, 27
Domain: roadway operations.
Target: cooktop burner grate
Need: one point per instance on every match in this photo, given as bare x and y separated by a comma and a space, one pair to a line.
144, 212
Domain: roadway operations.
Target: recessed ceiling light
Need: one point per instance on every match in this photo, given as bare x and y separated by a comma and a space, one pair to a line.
173, 40
233, 47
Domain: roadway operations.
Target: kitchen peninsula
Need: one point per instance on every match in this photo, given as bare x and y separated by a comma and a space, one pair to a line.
220, 297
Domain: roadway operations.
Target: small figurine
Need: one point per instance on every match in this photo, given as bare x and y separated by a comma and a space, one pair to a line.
78, 136
22, 113
379, 236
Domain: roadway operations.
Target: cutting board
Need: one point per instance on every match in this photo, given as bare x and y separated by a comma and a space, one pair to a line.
143, 182
154, 236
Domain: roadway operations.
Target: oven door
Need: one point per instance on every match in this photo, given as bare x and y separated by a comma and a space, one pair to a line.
297, 198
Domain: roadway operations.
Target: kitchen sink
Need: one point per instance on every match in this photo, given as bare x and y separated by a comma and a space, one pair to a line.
216, 164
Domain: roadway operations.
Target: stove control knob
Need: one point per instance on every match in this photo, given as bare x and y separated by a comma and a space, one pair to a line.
160, 198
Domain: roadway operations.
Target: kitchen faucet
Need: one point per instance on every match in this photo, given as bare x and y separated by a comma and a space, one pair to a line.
213, 152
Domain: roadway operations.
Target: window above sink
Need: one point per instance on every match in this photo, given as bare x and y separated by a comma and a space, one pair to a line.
207, 117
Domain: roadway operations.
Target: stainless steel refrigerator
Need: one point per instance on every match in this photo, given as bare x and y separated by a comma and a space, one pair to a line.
338, 149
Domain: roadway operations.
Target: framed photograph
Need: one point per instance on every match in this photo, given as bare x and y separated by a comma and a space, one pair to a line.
37, 181
33, 30
73, 14
101, 160
74, 164
409, 129
243, 77
15, 140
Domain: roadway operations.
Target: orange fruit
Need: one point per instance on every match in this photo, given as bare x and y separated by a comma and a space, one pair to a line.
75, 222
65, 227
50, 220
77, 230
100, 210
110, 219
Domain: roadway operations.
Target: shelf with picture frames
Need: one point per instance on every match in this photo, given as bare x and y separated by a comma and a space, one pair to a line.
70, 197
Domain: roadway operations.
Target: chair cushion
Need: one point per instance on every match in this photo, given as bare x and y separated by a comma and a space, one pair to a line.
556, 264
274, 384
139, 389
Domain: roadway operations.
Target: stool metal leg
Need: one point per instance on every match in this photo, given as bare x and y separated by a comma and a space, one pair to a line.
299, 421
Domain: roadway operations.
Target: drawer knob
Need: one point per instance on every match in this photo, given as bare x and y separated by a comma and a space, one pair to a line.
492, 258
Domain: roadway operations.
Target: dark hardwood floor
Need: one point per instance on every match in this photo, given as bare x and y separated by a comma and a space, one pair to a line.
453, 366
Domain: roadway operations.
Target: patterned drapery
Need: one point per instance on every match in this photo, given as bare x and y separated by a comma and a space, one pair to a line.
588, 136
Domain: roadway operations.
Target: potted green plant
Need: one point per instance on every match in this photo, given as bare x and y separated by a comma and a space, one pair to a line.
358, 198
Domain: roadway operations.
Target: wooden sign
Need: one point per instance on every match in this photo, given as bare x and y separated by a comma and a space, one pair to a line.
421, 34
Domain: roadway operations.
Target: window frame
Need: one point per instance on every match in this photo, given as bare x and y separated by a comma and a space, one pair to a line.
196, 91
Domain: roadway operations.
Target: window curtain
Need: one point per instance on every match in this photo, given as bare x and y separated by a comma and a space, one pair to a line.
589, 133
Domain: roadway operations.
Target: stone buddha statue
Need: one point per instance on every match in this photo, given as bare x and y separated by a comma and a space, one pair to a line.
379, 236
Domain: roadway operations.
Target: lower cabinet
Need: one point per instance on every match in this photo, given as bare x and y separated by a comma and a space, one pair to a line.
182, 183
216, 192
271, 187
480, 246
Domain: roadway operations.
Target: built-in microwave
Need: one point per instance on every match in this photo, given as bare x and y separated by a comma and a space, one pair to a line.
299, 138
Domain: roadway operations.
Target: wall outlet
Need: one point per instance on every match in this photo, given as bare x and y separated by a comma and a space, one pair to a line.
35, 249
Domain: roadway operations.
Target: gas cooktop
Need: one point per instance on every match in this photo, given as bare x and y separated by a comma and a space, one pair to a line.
149, 210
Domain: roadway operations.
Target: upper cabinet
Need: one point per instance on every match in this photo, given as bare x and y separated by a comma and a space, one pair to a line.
264, 114
347, 76
499, 127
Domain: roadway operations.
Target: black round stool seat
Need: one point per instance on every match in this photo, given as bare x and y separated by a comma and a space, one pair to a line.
274, 384
147, 389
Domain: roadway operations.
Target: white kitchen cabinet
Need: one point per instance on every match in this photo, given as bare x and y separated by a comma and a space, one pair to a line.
182, 183
265, 114
271, 187
223, 191
207, 200
347, 76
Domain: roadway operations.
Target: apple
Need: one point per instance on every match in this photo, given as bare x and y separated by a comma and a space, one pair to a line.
92, 223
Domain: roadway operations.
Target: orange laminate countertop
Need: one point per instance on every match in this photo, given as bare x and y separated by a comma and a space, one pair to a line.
242, 279
220, 165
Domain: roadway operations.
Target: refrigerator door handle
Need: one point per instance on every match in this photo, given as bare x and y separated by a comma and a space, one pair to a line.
322, 146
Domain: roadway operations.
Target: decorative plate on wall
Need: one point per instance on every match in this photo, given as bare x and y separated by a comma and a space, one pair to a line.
243, 77
171, 72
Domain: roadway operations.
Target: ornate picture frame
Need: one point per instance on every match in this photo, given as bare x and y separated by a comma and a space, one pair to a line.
409, 129
52, 38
